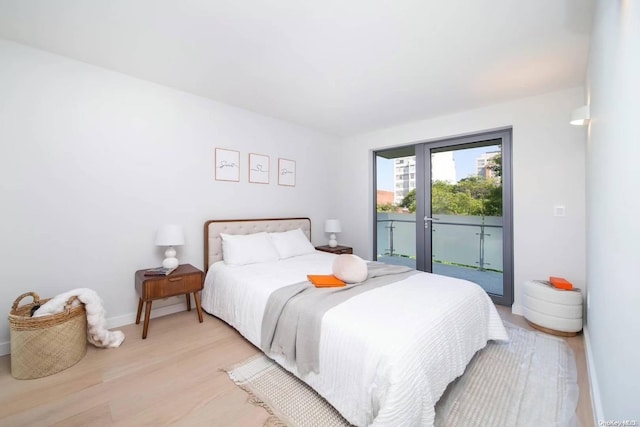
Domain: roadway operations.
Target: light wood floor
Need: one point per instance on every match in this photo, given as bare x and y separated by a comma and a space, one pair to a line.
173, 377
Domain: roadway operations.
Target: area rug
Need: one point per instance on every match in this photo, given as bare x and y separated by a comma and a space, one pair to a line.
530, 381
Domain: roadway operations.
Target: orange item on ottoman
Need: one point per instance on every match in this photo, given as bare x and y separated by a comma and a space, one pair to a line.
560, 283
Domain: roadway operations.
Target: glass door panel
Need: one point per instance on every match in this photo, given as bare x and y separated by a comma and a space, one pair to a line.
395, 206
466, 214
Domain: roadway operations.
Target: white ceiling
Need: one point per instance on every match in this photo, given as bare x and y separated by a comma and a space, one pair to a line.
341, 66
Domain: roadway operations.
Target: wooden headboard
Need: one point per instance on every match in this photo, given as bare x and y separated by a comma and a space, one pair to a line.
213, 228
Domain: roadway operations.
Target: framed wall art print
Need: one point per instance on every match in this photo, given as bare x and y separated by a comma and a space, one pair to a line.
227, 165
287, 172
258, 168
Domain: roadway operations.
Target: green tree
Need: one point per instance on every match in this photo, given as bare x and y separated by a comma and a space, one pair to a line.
442, 198
386, 207
483, 193
470, 196
474, 195
495, 165
493, 203
409, 201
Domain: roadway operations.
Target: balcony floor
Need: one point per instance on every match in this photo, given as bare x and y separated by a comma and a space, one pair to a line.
490, 281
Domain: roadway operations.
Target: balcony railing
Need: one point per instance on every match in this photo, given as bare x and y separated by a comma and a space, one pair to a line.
467, 241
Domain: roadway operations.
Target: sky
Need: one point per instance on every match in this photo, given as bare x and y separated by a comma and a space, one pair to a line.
465, 161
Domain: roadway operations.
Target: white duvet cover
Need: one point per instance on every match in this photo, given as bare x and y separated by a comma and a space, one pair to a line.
387, 355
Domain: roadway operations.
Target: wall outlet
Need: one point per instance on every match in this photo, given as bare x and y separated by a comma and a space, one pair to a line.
559, 210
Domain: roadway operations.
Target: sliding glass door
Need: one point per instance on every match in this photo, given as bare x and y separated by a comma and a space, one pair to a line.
449, 210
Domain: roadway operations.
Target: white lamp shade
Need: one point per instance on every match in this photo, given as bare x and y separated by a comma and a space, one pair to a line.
170, 235
580, 116
332, 226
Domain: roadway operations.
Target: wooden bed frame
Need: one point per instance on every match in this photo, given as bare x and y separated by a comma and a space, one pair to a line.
213, 228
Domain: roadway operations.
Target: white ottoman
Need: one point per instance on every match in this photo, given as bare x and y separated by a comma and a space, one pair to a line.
552, 310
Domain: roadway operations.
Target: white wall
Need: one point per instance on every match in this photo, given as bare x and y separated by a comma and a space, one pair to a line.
613, 239
93, 162
548, 170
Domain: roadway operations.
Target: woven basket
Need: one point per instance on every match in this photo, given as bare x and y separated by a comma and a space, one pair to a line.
42, 346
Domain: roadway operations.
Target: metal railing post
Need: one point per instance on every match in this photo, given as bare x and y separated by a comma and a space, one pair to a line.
391, 227
481, 254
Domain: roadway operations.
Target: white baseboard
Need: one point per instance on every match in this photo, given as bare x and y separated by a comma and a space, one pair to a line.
128, 319
596, 401
517, 309
5, 348
115, 322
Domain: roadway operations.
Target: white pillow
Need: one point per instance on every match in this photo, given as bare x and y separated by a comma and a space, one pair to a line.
291, 243
241, 249
350, 268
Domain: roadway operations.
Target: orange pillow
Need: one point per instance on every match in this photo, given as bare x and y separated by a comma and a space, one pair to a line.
325, 280
560, 283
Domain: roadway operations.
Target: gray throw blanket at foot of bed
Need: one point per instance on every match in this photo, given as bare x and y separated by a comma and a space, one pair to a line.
292, 319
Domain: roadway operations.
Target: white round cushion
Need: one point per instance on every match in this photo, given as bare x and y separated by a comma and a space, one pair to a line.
553, 322
350, 268
546, 292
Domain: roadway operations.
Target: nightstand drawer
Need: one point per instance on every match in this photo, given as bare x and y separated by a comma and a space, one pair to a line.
170, 286
338, 250
344, 251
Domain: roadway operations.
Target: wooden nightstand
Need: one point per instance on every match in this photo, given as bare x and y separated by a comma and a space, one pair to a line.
186, 279
337, 250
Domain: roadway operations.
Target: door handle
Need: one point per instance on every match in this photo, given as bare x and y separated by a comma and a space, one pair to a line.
427, 220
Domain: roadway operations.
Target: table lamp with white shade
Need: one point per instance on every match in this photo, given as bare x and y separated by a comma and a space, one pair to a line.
170, 235
332, 226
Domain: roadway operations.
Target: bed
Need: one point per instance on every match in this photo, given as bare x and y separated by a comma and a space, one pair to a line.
385, 355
